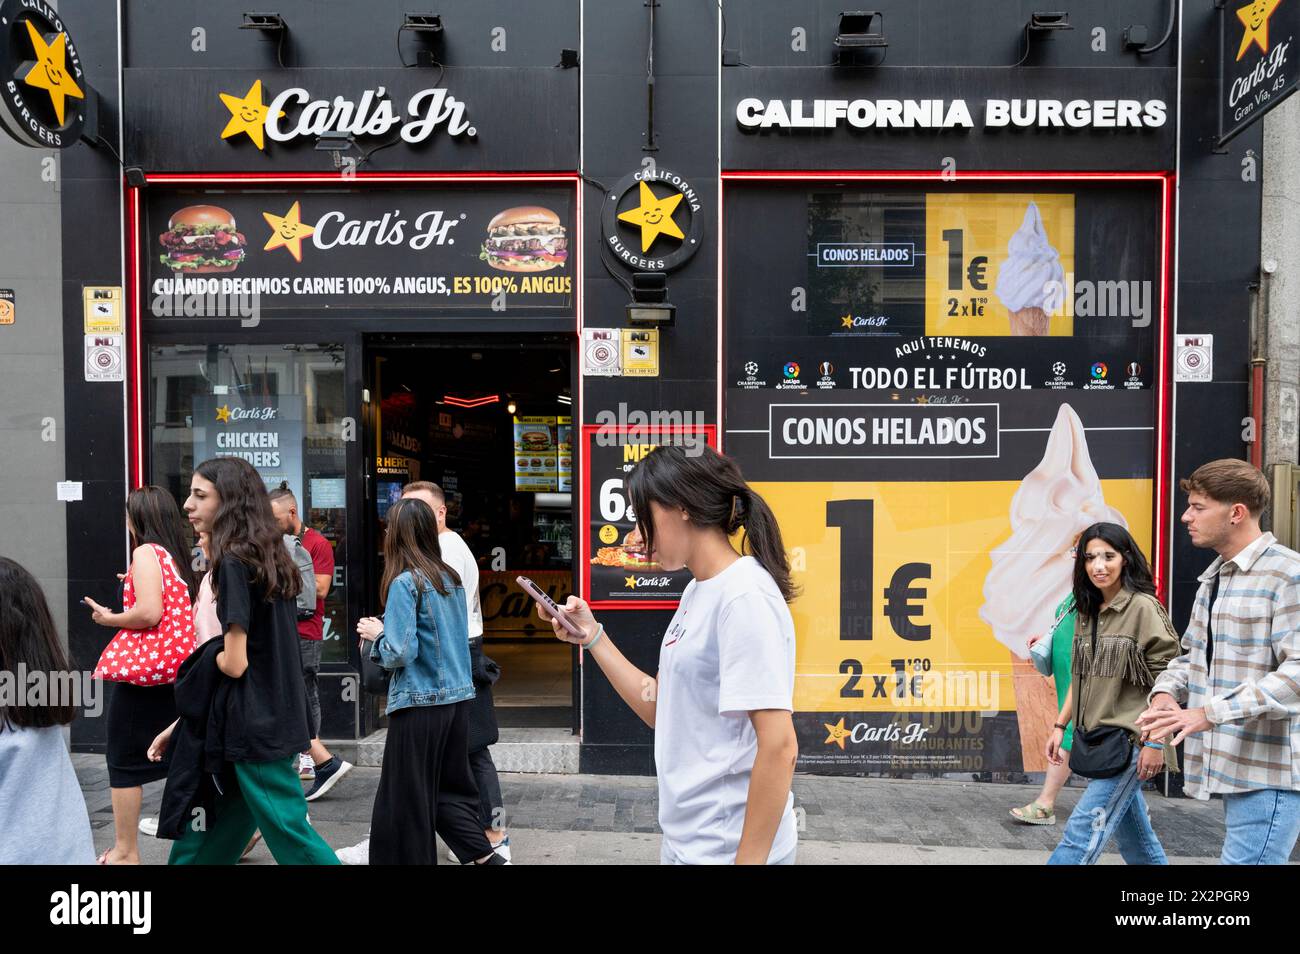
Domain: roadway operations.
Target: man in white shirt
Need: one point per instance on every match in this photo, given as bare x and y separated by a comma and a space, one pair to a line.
457, 555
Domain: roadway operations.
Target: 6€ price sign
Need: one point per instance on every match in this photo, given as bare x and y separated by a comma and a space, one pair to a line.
615, 575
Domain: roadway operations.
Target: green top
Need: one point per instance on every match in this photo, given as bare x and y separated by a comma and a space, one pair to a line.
1135, 642
1062, 646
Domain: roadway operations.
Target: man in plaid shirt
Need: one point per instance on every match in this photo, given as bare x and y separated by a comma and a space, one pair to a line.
1240, 675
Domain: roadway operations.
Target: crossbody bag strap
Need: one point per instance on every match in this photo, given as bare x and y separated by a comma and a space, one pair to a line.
1080, 721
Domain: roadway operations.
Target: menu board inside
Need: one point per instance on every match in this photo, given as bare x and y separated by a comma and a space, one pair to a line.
937, 388
536, 455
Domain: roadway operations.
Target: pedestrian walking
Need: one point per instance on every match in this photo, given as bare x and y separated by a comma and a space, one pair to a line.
721, 704
1122, 640
155, 635
317, 763
483, 731
44, 821
425, 784
241, 698
1233, 696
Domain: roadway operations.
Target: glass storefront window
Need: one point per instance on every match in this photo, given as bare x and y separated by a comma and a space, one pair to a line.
278, 406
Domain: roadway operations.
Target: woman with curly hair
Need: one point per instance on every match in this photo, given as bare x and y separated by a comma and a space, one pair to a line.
250, 681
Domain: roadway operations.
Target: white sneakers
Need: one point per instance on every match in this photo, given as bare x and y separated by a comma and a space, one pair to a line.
356, 855
149, 825
306, 767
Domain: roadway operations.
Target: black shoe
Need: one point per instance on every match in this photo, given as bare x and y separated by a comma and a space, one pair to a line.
326, 775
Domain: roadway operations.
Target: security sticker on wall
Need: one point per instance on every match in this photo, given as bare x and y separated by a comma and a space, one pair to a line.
6, 306
1193, 358
104, 357
102, 309
640, 353
600, 352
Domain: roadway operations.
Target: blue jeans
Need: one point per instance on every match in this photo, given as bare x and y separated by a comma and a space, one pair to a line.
1110, 807
1262, 827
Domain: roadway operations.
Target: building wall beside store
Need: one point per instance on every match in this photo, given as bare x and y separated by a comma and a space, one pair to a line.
33, 431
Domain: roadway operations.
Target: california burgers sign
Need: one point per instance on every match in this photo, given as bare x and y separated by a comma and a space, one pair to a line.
42, 88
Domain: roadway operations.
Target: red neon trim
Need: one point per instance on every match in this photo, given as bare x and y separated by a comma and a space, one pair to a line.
710, 432
135, 383
470, 402
1164, 407
929, 174
195, 178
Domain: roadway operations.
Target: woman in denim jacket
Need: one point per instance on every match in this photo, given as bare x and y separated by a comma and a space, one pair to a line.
425, 786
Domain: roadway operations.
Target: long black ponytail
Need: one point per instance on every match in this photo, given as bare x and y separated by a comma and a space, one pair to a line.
710, 488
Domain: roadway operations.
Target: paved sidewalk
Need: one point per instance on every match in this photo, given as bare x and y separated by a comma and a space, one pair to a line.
602, 819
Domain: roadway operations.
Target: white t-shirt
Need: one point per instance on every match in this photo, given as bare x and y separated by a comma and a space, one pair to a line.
457, 555
728, 651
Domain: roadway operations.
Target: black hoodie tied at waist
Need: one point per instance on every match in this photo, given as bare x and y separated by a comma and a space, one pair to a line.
198, 765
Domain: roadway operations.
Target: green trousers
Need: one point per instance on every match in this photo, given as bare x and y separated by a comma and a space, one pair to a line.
267, 797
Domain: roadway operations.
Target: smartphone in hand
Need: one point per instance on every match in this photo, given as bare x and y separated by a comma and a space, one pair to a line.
539, 596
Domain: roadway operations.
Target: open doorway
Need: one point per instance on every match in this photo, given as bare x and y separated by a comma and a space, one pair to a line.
491, 425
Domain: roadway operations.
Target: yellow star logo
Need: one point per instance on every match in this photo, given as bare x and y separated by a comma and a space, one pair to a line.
223, 413
837, 733
629, 582
287, 230
247, 115
922, 399
654, 216
50, 72
1254, 17
846, 321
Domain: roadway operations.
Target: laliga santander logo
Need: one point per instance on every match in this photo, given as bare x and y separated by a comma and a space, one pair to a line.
372, 115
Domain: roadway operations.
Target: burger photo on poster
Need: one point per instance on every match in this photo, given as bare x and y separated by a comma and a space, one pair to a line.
525, 238
202, 240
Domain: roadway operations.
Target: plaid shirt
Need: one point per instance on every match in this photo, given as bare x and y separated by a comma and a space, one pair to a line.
1253, 697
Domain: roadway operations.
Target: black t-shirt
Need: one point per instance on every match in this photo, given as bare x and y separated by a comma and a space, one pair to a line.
267, 715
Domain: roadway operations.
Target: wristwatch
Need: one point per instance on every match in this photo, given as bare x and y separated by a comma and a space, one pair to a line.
1057, 725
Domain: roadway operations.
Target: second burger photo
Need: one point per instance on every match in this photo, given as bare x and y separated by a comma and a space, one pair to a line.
525, 238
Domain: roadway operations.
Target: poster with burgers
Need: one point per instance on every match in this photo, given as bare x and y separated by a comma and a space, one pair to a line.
202, 240
525, 238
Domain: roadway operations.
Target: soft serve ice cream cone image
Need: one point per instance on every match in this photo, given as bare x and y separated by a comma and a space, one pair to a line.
1031, 281
1033, 569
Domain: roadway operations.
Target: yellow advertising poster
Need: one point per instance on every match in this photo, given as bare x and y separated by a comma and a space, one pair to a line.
972, 382
936, 619
999, 265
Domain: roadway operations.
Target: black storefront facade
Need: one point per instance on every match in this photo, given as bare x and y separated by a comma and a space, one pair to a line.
874, 270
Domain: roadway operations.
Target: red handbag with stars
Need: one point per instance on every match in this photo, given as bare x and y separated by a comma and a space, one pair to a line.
151, 657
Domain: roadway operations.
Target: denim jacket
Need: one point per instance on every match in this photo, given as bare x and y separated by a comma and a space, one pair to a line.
429, 651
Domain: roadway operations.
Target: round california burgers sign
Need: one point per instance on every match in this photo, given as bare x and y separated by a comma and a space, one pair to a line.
42, 89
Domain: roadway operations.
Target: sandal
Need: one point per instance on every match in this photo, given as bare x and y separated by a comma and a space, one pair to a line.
1034, 814
103, 859
252, 843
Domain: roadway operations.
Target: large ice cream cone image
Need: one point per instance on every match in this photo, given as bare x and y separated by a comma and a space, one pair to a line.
1032, 570
1031, 281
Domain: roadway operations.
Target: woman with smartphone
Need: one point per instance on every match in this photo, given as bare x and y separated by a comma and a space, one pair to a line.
426, 786
722, 699
155, 635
